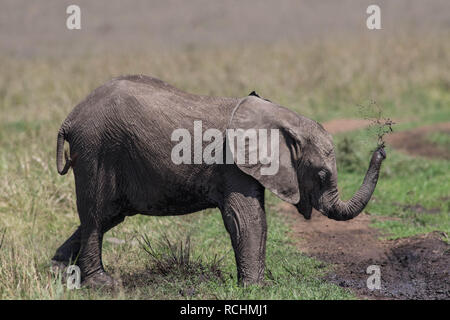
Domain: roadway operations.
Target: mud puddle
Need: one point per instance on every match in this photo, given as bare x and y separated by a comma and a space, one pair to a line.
411, 268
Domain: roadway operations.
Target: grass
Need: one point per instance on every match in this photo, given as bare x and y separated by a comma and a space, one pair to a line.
324, 80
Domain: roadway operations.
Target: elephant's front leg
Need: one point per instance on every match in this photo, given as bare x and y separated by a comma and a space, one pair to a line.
245, 220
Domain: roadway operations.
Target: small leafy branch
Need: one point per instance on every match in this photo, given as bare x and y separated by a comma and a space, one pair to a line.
381, 125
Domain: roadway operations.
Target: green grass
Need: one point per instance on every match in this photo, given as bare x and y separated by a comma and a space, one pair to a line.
324, 80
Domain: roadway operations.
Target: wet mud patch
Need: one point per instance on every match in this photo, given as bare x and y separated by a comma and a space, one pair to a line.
414, 142
411, 268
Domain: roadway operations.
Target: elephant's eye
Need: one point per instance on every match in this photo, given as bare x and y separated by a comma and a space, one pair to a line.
323, 174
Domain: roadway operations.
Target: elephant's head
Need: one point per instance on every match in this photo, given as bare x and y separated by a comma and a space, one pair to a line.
307, 174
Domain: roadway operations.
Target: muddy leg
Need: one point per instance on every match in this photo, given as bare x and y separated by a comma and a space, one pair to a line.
90, 258
245, 220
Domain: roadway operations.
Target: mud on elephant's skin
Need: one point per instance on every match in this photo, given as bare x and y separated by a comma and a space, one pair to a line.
120, 152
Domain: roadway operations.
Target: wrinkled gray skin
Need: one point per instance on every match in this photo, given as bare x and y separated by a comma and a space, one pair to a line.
120, 151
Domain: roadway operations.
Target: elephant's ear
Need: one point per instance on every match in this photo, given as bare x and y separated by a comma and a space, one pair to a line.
281, 146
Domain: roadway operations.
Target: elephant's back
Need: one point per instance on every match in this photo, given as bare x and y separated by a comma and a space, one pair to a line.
157, 105
145, 111
143, 96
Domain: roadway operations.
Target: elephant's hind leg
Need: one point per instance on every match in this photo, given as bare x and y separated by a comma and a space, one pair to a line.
68, 252
98, 213
245, 220
90, 257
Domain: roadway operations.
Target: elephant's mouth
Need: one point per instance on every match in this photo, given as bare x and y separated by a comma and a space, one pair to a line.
304, 207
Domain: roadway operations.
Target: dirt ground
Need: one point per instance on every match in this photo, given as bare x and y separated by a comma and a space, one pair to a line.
414, 141
411, 268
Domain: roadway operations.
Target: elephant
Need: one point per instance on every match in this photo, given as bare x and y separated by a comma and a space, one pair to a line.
120, 139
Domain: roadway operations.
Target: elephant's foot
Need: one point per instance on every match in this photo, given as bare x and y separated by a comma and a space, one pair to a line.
100, 279
245, 282
251, 278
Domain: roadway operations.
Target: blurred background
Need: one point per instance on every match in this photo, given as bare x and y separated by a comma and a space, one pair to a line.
36, 28
315, 57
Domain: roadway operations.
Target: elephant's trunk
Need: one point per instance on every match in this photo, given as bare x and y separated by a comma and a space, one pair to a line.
336, 209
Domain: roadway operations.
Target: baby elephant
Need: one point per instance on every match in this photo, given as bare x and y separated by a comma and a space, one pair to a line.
130, 150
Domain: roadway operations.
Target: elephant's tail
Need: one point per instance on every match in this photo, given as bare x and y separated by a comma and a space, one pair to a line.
62, 169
